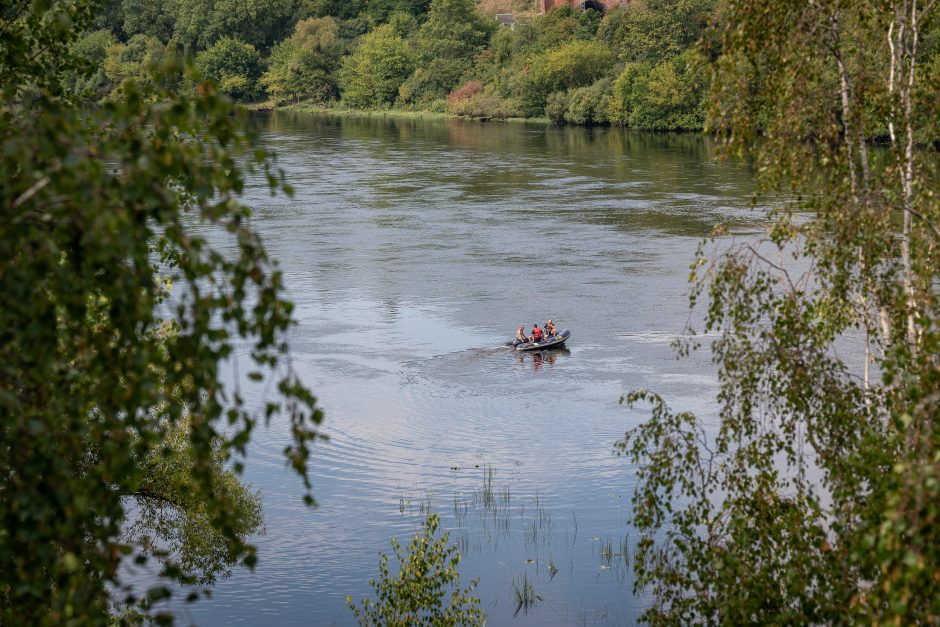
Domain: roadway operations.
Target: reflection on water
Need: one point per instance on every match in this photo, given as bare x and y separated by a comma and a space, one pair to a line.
413, 250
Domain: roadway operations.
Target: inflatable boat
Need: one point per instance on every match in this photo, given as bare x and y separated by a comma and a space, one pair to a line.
549, 342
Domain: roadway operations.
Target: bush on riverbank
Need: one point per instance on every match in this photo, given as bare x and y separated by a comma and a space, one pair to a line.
425, 590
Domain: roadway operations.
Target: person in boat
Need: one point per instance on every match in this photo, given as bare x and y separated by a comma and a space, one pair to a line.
521, 337
537, 334
550, 329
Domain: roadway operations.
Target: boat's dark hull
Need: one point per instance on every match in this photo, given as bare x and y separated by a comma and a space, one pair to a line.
550, 342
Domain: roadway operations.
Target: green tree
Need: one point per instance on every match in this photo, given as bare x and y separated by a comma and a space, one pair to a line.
555, 28
171, 517
88, 81
576, 64
339, 9
103, 209
404, 24
670, 95
582, 105
303, 66
655, 30
816, 499
453, 35
418, 594
433, 81
454, 30
316, 33
234, 65
261, 23
372, 74
135, 61
191, 30
108, 16
589, 21
154, 18
381, 10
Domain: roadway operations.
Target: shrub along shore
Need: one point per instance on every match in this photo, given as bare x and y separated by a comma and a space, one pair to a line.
406, 114
645, 65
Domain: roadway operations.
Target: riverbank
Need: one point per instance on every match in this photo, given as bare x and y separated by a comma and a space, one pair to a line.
411, 114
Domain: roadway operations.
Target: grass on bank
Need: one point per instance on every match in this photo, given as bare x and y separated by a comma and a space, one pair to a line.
341, 111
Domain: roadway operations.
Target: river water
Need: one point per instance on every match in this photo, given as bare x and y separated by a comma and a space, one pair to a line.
413, 250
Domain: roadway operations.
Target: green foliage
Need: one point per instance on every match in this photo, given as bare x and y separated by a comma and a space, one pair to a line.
454, 30
650, 31
433, 82
815, 498
89, 81
192, 29
316, 34
501, 46
354, 28
234, 65
583, 105
404, 24
371, 76
302, 67
136, 61
339, 9
261, 23
380, 10
555, 28
485, 105
576, 64
35, 43
103, 209
171, 516
154, 18
669, 95
588, 23
418, 594
108, 16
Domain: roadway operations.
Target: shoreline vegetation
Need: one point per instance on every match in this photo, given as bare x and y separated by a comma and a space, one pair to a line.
403, 114
645, 65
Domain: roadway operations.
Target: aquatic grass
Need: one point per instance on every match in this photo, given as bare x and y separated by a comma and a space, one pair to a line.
531, 535
424, 505
598, 616
607, 553
524, 593
488, 498
539, 529
501, 518
494, 505
461, 508
504, 497
462, 541
407, 502
543, 514
625, 551
552, 569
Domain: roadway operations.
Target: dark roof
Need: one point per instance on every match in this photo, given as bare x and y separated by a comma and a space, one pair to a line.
506, 19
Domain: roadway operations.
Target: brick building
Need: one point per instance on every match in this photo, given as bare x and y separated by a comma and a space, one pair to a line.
597, 5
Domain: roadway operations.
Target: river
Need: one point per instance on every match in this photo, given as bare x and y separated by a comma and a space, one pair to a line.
413, 249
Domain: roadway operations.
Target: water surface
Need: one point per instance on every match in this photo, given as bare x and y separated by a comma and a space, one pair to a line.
413, 250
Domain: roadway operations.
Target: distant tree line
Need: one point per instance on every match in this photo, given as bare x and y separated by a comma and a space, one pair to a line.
638, 65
